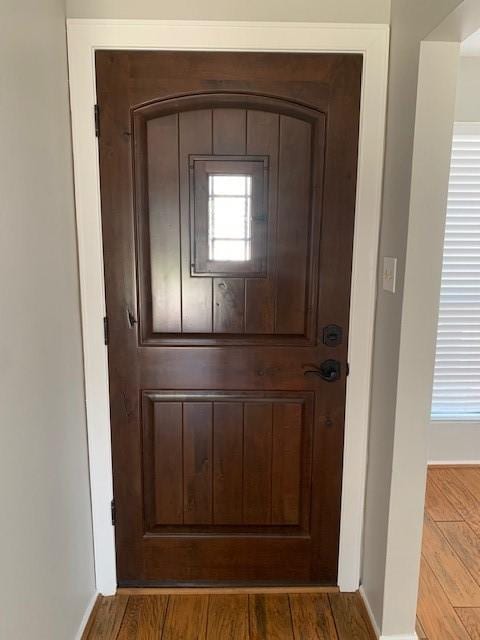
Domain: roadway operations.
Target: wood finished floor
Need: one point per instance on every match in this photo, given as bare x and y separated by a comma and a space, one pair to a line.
449, 594
239, 616
448, 603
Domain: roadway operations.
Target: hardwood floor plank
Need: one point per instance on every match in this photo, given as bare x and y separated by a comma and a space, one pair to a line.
471, 621
470, 477
144, 618
108, 618
91, 619
438, 507
270, 617
465, 543
456, 492
186, 618
351, 618
420, 632
436, 614
457, 582
312, 617
228, 617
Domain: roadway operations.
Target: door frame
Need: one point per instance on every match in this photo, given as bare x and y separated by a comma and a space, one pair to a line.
372, 40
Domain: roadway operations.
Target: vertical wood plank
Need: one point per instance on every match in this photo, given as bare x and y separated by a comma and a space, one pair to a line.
163, 204
229, 131
197, 465
228, 462
312, 617
228, 617
143, 618
351, 618
293, 225
286, 462
168, 457
262, 140
229, 305
186, 618
270, 617
195, 131
108, 618
257, 464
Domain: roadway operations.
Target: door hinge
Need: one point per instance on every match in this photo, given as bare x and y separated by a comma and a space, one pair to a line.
96, 115
106, 334
347, 369
113, 512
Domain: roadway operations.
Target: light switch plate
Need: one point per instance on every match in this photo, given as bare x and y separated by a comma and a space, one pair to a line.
389, 274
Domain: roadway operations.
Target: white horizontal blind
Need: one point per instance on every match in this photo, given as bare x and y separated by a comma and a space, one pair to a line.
456, 389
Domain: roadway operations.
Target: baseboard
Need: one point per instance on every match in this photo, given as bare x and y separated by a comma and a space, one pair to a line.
373, 622
375, 625
453, 463
86, 616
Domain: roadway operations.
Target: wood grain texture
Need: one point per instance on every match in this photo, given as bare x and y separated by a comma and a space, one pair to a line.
186, 618
228, 617
465, 543
228, 305
257, 485
227, 331
437, 505
351, 618
435, 612
195, 138
286, 462
419, 630
228, 462
470, 477
221, 614
168, 462
163, 205
471, 621
458, 584
270, 617
108, 618
467, 505
144, 618
312, 617
197, 462
450, 570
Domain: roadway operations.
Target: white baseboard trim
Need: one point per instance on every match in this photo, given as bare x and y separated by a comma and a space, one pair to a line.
86, 616
375, 624
468, 463
369, 611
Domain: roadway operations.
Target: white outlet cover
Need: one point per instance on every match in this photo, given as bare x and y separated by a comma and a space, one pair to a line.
389, 274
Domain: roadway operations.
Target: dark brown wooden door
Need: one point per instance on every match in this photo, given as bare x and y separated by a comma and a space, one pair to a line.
228, 193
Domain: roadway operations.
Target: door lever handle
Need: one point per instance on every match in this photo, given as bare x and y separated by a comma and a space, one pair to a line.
328, 370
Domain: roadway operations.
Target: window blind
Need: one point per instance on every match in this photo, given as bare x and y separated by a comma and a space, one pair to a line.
456, 388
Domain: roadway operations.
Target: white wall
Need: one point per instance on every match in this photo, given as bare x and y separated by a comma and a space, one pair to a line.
467, 108
268, 10
411, 21
46, 557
